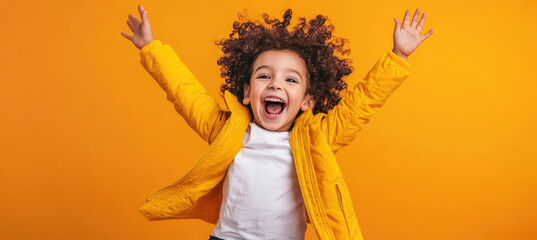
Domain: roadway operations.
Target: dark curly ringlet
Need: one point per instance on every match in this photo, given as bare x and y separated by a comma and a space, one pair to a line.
312, 41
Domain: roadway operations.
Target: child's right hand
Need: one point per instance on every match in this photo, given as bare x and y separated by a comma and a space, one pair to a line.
142, 33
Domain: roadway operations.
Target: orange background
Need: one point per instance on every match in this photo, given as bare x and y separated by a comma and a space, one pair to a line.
87, 134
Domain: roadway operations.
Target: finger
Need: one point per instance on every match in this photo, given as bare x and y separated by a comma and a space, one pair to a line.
406, 18
127, 36
145, 19
397, 24
415, 18
131, 25
426, 35
134, 20
422, 21
141, 11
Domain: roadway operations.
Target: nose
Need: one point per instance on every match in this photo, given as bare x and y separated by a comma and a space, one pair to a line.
275, 84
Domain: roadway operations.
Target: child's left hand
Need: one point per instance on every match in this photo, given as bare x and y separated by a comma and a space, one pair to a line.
406, 38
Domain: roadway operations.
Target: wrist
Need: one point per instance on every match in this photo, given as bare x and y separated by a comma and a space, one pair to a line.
145, 49
399, 53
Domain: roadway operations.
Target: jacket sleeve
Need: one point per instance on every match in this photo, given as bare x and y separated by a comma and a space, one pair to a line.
342, 123
201, 111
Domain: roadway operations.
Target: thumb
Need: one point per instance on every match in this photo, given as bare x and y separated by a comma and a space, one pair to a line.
397, 24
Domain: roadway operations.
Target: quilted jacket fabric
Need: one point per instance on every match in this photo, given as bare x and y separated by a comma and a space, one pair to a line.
314, 141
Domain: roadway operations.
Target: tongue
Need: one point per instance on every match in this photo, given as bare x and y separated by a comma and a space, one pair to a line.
274, 108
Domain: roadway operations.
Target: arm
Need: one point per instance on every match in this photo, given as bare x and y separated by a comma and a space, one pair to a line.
358, 105
201, 111
188, 96
355, 109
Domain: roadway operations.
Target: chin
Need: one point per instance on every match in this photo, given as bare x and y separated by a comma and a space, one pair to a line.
272, 127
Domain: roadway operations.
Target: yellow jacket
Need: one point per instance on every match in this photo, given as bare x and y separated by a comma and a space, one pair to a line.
314, 140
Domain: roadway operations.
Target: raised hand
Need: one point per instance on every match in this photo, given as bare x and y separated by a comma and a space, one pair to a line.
142, 33
406, 37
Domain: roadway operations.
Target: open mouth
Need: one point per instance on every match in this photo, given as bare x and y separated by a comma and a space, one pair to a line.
273, 107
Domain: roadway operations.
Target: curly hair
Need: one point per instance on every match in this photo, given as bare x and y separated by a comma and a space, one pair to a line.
312, 41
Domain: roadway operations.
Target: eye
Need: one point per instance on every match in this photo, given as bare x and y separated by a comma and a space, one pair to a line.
293, 80
263, 76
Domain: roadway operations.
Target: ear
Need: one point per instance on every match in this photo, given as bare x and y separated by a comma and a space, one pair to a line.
246, 99
308, 103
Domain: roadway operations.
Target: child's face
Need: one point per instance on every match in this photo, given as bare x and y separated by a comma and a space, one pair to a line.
277, 75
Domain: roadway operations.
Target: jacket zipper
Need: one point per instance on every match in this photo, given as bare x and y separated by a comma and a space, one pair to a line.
293, 142
325, 229
342, 208
216, 140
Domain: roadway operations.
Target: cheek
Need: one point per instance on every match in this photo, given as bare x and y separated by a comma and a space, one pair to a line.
298, 97
255, 95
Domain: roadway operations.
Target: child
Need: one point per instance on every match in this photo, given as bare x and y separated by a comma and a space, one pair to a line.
270, 168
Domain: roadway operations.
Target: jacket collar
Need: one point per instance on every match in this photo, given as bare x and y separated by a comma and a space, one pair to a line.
233, 104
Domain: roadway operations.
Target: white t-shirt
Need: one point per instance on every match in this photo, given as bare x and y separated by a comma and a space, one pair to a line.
261, 194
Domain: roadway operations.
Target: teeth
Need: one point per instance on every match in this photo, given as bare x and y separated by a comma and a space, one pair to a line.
273, 100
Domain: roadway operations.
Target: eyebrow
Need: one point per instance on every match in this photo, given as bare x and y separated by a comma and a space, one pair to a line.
287, 69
